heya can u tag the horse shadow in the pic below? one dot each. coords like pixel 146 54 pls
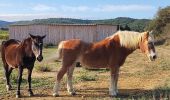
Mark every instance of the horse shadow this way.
pixel 126 93
pixel 104 93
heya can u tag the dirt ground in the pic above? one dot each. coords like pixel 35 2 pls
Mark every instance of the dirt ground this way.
pixel 137 75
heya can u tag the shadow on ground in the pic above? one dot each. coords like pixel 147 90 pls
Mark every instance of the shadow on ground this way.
pixel 94 93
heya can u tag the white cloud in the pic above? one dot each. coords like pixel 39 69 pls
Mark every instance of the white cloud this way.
pixel 103 8
pixel 42 7
pixel 124 8
pixel 18 17
pixel 74 8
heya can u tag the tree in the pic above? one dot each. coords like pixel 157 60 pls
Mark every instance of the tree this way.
pixel 160 21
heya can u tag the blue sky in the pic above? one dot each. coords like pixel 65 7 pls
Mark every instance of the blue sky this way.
pixel 14 10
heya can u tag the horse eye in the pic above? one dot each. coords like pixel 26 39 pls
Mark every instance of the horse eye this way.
pixel 36 44
pixel 40 44
pixel 149 43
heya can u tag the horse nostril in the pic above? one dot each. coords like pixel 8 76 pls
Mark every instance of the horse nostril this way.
pixel 39 58
pixel 154 57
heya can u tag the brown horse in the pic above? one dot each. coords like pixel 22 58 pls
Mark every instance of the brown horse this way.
pixel 16 54
pixel 108 53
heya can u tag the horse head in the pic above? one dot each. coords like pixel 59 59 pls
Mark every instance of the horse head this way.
pixel 147 45
pixel 37 46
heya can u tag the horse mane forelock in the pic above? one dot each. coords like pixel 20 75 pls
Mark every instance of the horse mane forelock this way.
pixel 129 39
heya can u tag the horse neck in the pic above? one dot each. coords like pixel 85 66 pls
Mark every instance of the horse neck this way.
pixel 115 40
pixel 26 47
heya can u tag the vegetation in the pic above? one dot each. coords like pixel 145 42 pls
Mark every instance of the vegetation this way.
pixel 43 68
pixel 125 22
pixel 139 79
pixel 85 76
pixel 161 23
pixel 4 35
pixel 49 45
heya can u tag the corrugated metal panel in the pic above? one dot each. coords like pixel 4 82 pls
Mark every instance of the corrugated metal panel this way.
pixel 56 33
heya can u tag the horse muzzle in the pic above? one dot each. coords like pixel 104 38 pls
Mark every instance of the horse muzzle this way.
pixel 40 58
pixel 152 58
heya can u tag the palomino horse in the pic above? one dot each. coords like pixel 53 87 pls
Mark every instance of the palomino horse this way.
pixel 108 53
pixel 16 54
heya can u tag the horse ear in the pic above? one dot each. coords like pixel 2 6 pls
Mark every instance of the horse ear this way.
pixel 147 34
pixel 151 32
pixel 43 36
pixel 32 36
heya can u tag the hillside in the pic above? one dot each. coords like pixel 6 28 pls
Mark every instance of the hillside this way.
pixel 5 24
pixel 133 24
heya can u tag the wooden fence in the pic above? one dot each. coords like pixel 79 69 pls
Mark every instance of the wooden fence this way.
pixel 58 32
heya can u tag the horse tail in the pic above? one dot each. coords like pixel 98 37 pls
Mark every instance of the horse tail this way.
pixel 60 50
pixel 2 49
pixel 2 46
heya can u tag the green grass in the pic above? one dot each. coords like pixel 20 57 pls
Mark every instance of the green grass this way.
pixel 43 68
pixel 86 75
pixel 82 75
pixel 4 34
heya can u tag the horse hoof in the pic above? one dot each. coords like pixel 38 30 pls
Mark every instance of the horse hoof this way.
pixel 55 95
pixel 113 95
pixel 73 93
pixel 8 87
pixel 18 96
pixel 31 94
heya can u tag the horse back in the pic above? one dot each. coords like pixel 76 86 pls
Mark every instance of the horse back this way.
pixel 9 51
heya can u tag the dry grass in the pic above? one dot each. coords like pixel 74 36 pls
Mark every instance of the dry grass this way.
pixel 139 78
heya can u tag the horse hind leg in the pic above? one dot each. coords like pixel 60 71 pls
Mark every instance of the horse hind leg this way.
pixel 60 75
pixel 8 77
pixel 69 80
pixel 7 74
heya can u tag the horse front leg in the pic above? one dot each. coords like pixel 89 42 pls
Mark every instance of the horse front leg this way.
pixel 19 81
pixel 113 81
pixel 29 82
pixel 69 80
pixel 60 75
pixel 116 81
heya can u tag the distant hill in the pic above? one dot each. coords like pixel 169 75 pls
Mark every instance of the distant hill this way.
pixel 132 24
pixel 125 22
pixel 55 21
pixel 5 24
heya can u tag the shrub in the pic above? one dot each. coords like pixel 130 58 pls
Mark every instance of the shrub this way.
pixel 43 68
pixel 85 76
pixel 49 45
pixel 4 35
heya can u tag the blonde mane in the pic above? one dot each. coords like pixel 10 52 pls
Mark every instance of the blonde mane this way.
pixel 129 39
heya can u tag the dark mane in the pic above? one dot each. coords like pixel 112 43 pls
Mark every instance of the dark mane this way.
pixel 26 41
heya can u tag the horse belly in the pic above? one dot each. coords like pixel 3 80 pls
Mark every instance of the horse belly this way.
pixel 11 57
pixel 94 63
